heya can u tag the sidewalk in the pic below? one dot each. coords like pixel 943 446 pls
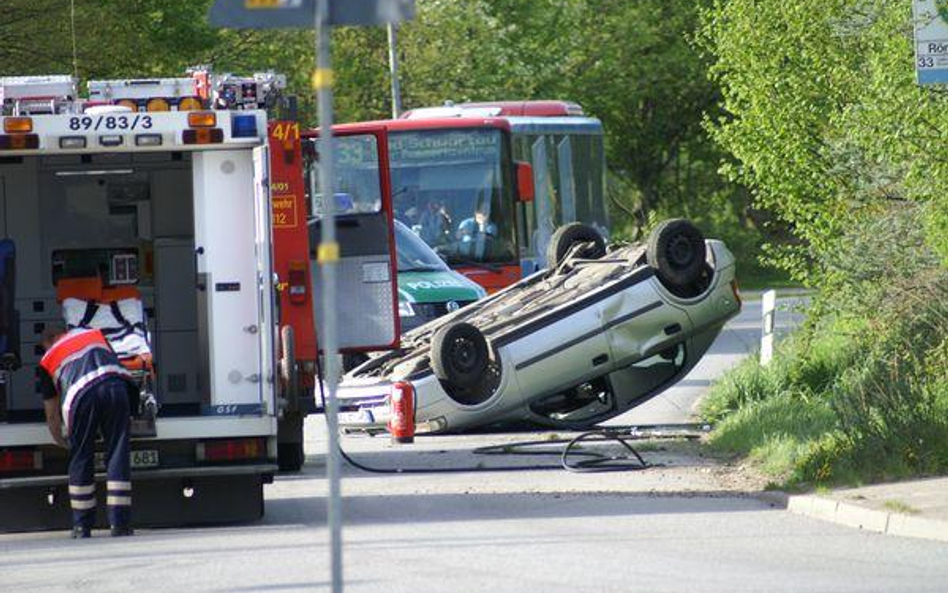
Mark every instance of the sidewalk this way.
pixel 917 508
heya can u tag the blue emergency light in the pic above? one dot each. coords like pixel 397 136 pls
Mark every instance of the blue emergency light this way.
pixel 243 126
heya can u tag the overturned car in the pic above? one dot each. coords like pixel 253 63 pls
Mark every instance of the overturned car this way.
pixel 598 333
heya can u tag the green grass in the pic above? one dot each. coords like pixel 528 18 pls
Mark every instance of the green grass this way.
pixel 852 399
pixel 897 506
pixel 775 433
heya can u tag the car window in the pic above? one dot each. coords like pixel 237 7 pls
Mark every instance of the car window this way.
pixel 414 255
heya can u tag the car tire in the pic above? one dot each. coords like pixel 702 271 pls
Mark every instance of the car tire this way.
pixel 677 252
pixel 568 235
pixel 459 355
pixel 287 364
pixel 290 457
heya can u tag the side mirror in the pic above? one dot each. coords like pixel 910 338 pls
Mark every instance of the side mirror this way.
pixel 525 189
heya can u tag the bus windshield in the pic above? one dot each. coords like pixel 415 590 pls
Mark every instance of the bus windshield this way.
pixel 451 187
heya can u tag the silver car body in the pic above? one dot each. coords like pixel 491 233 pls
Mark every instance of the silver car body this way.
pixel 569 348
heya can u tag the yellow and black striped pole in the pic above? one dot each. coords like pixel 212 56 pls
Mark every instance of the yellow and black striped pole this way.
pixel 328 258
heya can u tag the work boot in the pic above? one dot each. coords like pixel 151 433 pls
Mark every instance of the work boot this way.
pixel 80 532
pixel 122 531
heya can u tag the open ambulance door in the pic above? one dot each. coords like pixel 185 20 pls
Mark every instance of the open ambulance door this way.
pixel 233 266
pixel 367 281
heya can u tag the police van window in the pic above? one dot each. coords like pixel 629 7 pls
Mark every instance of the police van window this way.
pixel 357 185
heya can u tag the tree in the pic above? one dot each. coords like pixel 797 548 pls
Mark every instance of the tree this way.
pixel 825 119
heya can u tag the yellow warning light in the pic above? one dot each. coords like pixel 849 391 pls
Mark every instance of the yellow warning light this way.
pixel 157 105
pixel 190 104
pixel 18 124
pixel 202 119
pixel 128 103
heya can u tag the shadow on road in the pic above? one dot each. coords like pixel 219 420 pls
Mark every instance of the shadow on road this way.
pixel 442 508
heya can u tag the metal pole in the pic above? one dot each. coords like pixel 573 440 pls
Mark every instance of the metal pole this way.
pixel 328 255
pixel 393 70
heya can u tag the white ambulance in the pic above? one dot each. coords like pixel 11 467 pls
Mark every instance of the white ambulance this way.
pixel 145 212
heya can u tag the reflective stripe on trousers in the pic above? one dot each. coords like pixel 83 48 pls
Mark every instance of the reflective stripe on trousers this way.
pixel 103 407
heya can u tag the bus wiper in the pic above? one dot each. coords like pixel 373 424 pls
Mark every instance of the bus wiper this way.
pixel 422 269
pixel 453 260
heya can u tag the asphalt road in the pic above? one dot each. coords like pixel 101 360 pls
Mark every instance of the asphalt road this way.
pixel 684 526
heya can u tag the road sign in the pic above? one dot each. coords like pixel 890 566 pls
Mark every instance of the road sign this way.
pixel 300 14
pixel 931 41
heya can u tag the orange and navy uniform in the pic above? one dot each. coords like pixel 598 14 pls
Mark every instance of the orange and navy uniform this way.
pixel 95 389
pixel 75 363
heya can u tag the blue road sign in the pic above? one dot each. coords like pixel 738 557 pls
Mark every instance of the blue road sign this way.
pixel 300 14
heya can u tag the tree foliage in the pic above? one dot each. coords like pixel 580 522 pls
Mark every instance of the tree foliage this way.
pixel 632 64
pixel 825 119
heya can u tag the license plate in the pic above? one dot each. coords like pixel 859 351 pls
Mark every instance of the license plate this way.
pixel 359 417
pixel 140 459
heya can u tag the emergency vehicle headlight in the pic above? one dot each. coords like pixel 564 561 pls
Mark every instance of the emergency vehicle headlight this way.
pixel 72 142
pixel 157 105
pixel 243 126
pixel 202 119
pixel 203 136
pixel 19 142
pixel 148 139
pixel 110 140
pixel 128 103
pixel 190 104
pixel 18 124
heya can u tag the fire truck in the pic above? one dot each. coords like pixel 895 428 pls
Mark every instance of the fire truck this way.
pixel 168 213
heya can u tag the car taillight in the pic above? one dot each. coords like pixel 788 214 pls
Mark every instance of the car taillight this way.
pixel 737 292
pixel 231 450
pixel 18 460
pixel 203 136
pixel 19 141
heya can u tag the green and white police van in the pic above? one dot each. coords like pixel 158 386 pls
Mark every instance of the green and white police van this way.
pixel 427 287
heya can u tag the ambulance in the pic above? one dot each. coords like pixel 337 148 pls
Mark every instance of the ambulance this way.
pixel 145 210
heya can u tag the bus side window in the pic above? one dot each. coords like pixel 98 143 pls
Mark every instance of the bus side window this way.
pixel 543 202
pixel 567 183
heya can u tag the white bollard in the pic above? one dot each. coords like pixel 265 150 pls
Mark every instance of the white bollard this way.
pixel 768 310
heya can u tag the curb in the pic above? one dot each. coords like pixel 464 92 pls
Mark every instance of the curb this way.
pixel 859 517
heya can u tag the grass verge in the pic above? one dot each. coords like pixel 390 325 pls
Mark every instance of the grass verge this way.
pixel 850 400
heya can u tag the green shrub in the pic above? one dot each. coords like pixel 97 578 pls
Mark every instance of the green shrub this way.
pixel 850 398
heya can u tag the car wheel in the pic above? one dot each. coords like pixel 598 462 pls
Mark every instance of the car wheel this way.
pixel 459 354
pixel 288 361
pixel 290 456
pixel 676 250
pixel 568 235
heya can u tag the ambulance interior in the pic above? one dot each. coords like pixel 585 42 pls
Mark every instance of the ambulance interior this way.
pixel 103 240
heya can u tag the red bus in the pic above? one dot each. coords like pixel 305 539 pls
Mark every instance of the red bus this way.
pixel 464 178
